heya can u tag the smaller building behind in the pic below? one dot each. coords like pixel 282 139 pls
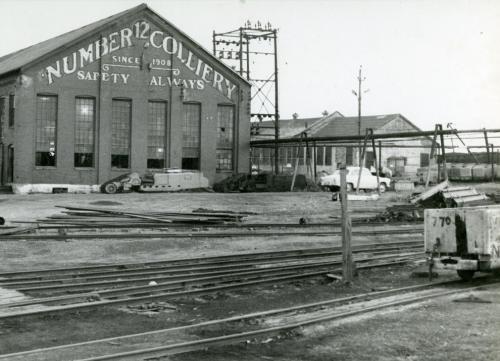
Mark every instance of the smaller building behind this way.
pixel 403 156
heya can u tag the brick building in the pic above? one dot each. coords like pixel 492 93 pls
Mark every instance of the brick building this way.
pixel 127 93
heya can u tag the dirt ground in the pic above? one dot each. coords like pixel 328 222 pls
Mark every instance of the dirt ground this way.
pixel 431 331
pixel 436 330
pixel 270 207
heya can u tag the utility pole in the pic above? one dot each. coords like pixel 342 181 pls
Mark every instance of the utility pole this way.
pixel 347 266
pixel 358 95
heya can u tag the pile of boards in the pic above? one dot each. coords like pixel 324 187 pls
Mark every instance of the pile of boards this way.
pixel 444 195
pixel 110 217
pixel 113 218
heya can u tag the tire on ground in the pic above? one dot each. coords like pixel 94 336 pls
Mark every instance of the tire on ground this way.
pixel 110 188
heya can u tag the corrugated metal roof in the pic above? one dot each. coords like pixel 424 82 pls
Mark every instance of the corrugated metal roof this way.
pixel 18 59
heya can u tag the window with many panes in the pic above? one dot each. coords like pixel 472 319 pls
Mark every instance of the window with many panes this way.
pixel 319 155
pixel 84 132
pixel 2 110
pixel 157 120
pixel 349 155
pixel 225 137
pixel 424 159
pixel 120 129
pixel 191 127
pixel 46 130
pixel 12 109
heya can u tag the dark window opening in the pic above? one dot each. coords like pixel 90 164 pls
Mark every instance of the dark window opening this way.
pixel 84 160
pixel 190 163
pixel 2 110
pixel 319 155
pixel 349 155
pixel 84 132
pixel 46 130
pixel 424 159
pixel 45 159
pixel 328 155
pixel 120 128
pixel 154 163
pixel 119 161
pixel 369 159
pixel 225 137
pixel 12 109
pixel 191 128
pixel 157 120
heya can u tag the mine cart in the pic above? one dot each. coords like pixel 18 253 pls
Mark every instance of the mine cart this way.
pixel 463 239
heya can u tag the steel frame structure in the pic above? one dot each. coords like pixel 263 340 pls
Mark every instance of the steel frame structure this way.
pixel 234 47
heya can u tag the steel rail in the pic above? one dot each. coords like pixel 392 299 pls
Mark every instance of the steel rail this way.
pixel 231 338
pixel 141 277
pixel 394 260
pixel 192 280
pixel 182 263
pixel 159 235
pixel 95 225
pixel 118 277
pixel 128 339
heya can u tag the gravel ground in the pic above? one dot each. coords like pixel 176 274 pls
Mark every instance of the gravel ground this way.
pixel 433 331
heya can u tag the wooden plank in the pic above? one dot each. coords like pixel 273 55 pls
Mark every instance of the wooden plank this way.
pixel 429 193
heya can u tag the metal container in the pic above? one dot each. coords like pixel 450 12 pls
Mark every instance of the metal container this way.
pixel 465 173
pixel 481 172
pixel 404 186
pixel 454 173
pixel 464 239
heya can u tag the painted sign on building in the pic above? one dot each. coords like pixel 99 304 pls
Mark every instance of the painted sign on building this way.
pixel 159 54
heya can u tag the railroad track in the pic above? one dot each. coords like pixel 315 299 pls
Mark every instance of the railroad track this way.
pixel 244 327
pixel 168 234
pixel 84 225
pixel 197 264
pixel 70 289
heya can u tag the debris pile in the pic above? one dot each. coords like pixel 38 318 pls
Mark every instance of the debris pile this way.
pixel 101 217
pixel 401 213
pixel 264 182
pixel 444 195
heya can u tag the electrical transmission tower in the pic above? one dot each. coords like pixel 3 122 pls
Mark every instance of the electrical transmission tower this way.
pixel 251 51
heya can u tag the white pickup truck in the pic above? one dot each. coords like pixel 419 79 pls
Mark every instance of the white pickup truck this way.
pixel 368 180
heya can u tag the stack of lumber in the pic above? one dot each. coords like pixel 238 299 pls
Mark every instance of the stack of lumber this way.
pixel 445 195
pixel 101 217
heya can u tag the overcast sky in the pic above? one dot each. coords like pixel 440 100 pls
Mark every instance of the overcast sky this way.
pixel 432 61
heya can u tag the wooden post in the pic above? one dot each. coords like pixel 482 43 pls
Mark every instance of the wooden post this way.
pixel 380 155
pixel 490 155
pixel 492 164
pixel 443 153
pixel 362 160
pixel 375 163
pixel 346 229
pixel 315 160
pixel 431 156
pixel 297 154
